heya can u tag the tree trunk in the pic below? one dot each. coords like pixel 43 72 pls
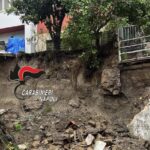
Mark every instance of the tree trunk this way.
pixel 57 42
pixel 97 41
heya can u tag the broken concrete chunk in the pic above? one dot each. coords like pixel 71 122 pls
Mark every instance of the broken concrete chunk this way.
pixel 89 139
pixel 99 145
pixel 140 125
pixel 22 147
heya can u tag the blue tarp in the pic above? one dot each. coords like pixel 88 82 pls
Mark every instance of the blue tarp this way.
pixel 15 45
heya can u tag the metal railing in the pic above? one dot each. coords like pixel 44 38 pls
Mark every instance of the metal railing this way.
pixel 135 48
pixel 129 52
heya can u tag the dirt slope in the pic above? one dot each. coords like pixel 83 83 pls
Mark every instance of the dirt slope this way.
pixel 66 123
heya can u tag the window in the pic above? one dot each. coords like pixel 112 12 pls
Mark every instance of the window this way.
pixel 4 4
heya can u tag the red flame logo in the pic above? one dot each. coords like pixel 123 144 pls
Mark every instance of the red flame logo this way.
pixel 28 69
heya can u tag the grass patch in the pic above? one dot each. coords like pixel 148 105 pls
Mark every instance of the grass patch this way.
pixel 18 127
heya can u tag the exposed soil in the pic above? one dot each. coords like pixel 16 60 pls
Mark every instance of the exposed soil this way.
pixel 64 125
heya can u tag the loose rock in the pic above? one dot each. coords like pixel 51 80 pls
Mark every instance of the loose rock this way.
pixel 89 148
pixel 22 146
pixel 37 138
pixel 45 142
pixel 36 143
pixel 75 102
pixel 92 123
pixel 110 81
pixel 140 125
pixel 52 147
pixel 2 111
pixel 42 127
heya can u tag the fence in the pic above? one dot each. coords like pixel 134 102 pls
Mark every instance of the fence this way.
pixel 104 39
pixel 133 44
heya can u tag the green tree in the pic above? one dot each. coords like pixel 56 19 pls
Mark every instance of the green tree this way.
pixel 90 18
pixel 51 12
pixel 95 16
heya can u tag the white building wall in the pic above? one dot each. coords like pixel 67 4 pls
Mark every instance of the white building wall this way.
pixel 41 41
pixel 9 20
pixel 30 38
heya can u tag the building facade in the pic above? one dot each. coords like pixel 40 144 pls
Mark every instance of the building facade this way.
pixel 35 35
pixel 11 25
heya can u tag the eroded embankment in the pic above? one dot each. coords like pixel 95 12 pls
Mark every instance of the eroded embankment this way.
pixel 66 123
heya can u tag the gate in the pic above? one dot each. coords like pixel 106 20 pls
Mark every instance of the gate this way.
pixel 133 44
